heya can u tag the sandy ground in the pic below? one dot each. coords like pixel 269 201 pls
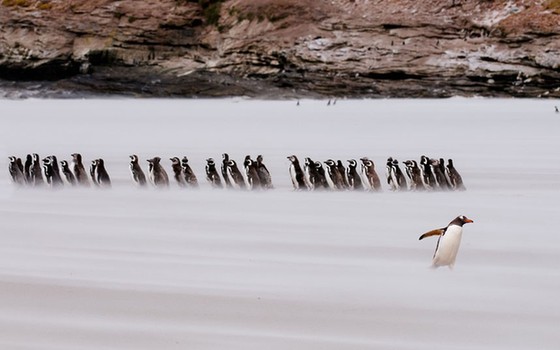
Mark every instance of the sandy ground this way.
pixel 212 269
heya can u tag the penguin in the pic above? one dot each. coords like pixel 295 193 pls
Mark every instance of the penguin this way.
pixel 447 181
pixel 414 174
pixel 93 172
pixel 264 174
pixel 138 175
pixel 252 174
pixel 79 170
pixel 321 183
pixel 342 172
pixel 556 109
pixel 101 175
pixel 370 175
pixel 36 171
pixel 427 174
pixel 27 168
pixel 395 176
pixel 235 176
pixel 448 242
pixel 212 174
pixel 389 172
pixel 178 171
pixel 188 173
pixel 296 174
pixel 15 171
pixel 67 173
pixel 400 180
pixel 52 172
pixel 454 177
pixel 310 174
pixel 334 175
pixel 225 160
pixel 438 174
pixel 157 174
pixel 354 180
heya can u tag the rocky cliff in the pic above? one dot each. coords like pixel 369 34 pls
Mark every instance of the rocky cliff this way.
pixel 281 48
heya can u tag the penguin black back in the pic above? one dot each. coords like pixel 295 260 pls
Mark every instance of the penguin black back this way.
pixel 177 171
pixel 190 177
pixel 136 171
pixel 212 174
pixel 264 174
pixel 354 180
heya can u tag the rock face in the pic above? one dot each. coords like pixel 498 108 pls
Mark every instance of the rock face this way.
pixel 281 48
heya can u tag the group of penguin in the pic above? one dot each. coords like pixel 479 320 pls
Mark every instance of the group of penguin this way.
pixel 257 175
pixel 428 175
pixel 36 173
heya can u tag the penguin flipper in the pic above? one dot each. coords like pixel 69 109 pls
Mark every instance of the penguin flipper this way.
pixel 436 232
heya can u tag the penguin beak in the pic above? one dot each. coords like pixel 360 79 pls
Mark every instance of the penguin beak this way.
pixel 468 221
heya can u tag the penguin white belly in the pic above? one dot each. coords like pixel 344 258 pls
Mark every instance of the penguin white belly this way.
pixel 293 176
pixel 448 247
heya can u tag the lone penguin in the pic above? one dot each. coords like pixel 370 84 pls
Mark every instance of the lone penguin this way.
pixel 264 174
pixel 178 171
pixel 157 175
pixel 448 242
pixel 138 175
pixel 100 173
pixel 252 173
pixel 296 174
pixel 15 171
pixel 556 109
pixel 79 169
pixel 354 180
pixel 65 168
pixel 188 173
pixel 370 175
pixel 454 177
pixel 235 176
pixel 212 174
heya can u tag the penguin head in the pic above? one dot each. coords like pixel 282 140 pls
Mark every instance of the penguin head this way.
pixel 259 158
pixel 35 157
pixel 175 160
pixel 461 220
pixel 185 160
pixel 225 157
pixel 154 160
pixel 330 162
pixel 64 164
pixel 77 157
pixel 12 159
pixel 352 163
pixel 133 158
pixel 293 158
pixel 232 163
pixel 450 163
pixel 210 161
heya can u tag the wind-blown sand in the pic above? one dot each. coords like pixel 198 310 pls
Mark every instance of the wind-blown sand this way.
pixel 127 268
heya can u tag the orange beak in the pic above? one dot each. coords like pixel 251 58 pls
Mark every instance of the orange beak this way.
pixel 468 221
